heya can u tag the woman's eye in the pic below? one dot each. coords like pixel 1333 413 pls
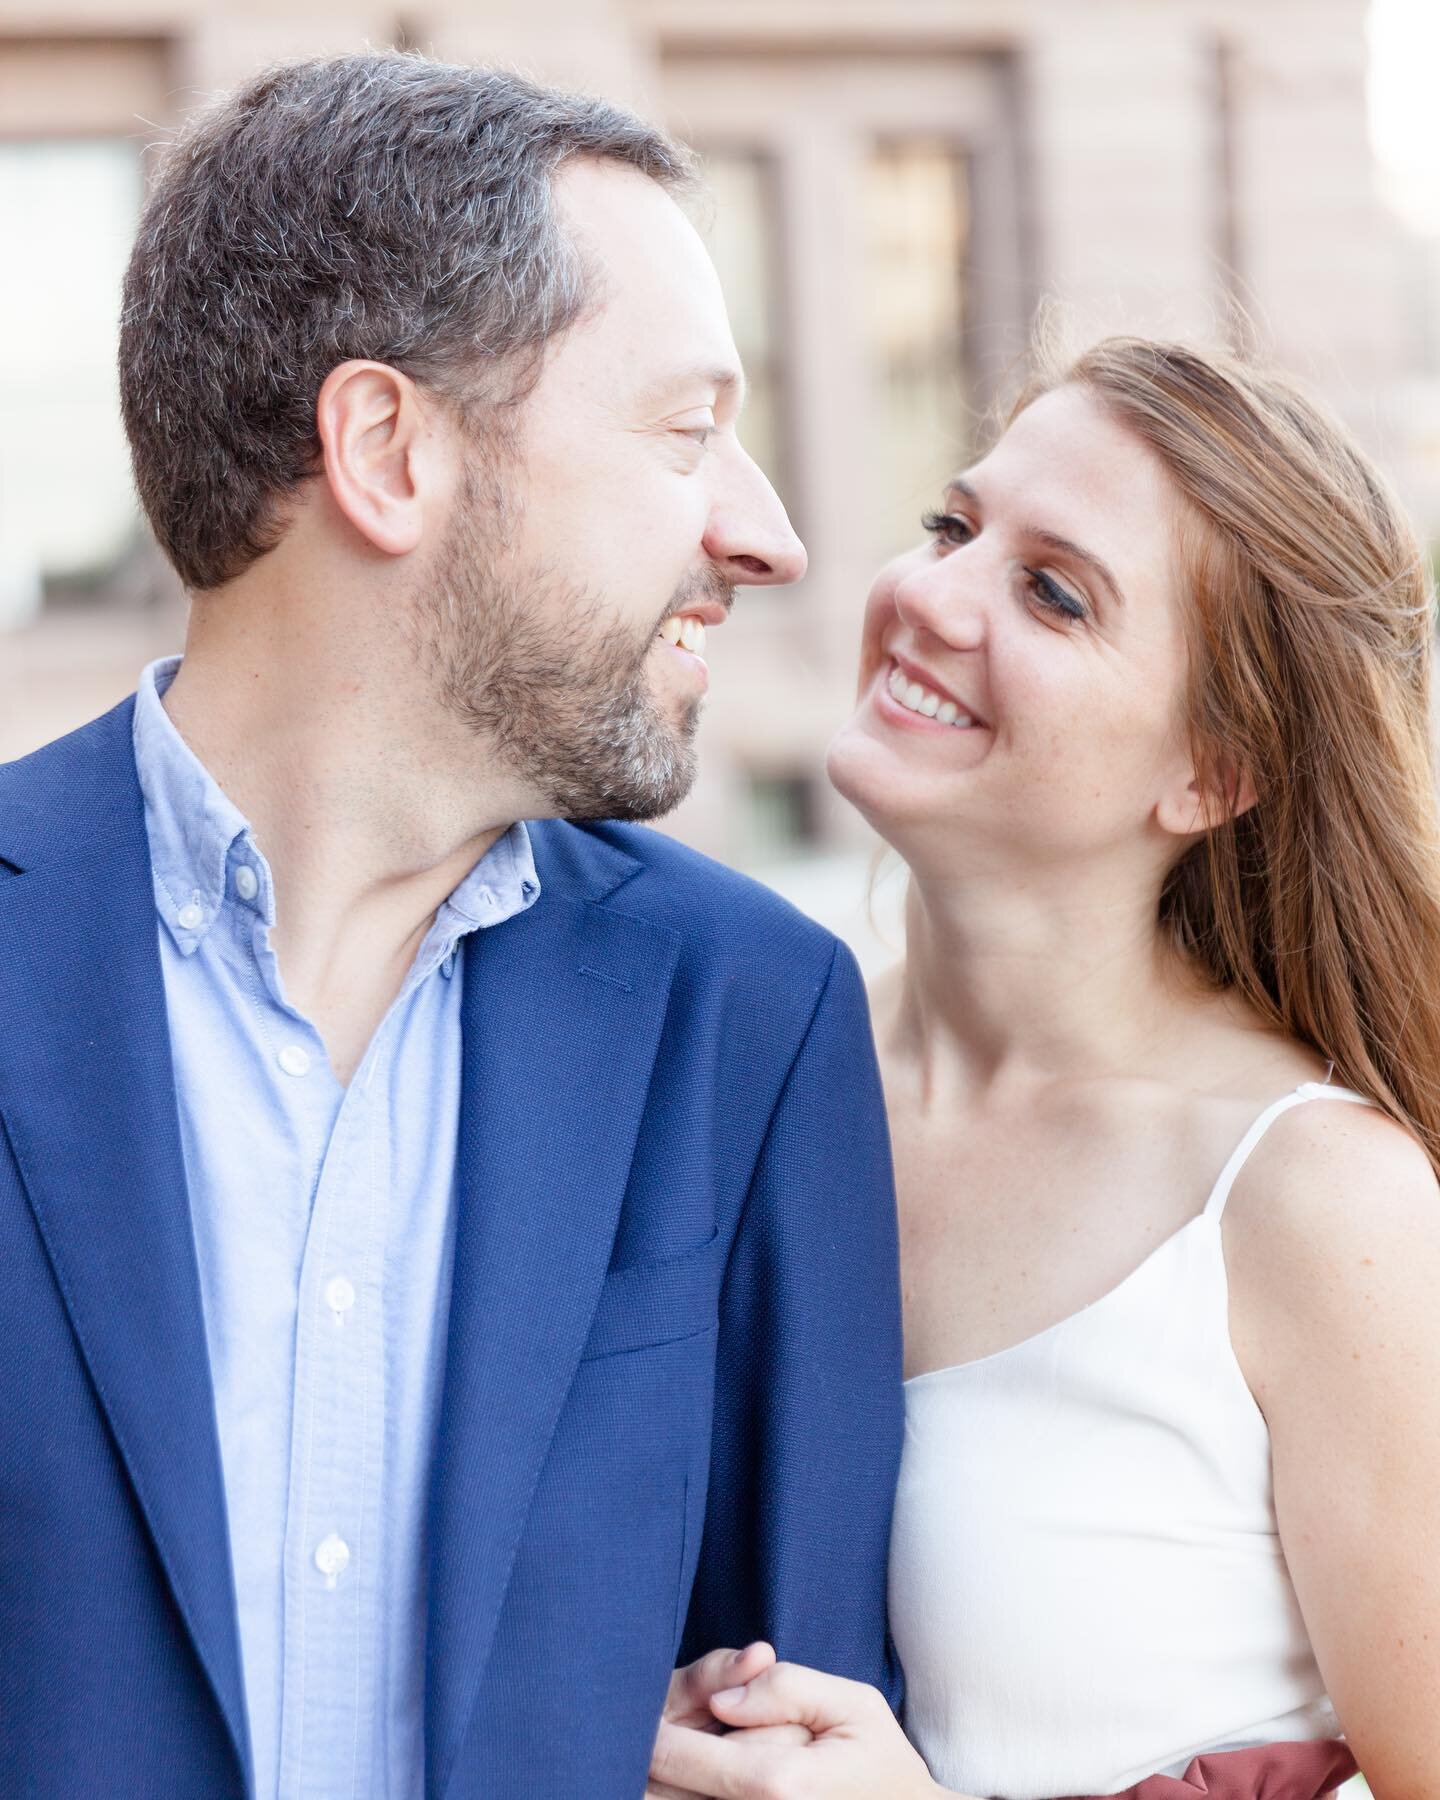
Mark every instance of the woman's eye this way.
pixel 947 528
pixel 952 531
pixel 1056 599
pixel 698 434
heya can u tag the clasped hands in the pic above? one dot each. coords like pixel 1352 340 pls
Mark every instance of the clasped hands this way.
pixel 738 1725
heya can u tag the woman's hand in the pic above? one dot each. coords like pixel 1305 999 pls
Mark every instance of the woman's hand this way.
pixel 797 1735
pixel 687 1708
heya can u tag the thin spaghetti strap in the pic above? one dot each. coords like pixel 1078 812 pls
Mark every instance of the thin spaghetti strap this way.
pixel 1308 1090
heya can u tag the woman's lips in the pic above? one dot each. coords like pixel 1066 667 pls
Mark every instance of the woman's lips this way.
pixel 918 702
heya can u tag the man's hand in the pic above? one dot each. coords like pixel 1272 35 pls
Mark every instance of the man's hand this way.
pixel 687 1707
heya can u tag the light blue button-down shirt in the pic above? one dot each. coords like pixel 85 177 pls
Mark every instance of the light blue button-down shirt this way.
pixel 324 1224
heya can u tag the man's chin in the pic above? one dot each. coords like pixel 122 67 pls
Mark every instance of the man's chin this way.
pixel 643 795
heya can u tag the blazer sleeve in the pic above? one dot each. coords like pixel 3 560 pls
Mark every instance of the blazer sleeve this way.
pixel 809 1406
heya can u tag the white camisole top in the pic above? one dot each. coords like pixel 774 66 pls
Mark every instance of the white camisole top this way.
pixel 1086 1581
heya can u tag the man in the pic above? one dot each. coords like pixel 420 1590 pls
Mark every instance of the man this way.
pixel 447 1264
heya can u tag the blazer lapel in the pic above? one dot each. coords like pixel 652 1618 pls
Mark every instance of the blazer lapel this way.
pixel 88 1104
pixel 563 1008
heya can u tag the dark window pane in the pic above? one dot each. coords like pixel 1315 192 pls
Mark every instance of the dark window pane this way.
pixel 916 220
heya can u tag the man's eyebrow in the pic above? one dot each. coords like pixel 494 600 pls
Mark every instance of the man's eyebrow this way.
pixel 1053 541
pixel 724 378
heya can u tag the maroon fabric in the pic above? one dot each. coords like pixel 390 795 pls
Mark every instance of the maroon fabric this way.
pixel 1273 1772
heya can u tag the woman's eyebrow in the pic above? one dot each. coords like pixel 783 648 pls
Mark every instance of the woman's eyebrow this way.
pixel 1068 547
pixel 1052 540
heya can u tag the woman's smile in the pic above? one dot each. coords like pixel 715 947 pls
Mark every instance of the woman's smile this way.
pixel 919 693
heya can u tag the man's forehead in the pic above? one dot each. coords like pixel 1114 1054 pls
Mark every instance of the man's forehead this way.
pixel 661 312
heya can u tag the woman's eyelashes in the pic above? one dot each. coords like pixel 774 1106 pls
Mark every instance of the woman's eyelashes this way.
pixel 1050 593
pixel 949 528
pixel 953 531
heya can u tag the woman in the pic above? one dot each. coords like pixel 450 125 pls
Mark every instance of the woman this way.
pixel 1147 717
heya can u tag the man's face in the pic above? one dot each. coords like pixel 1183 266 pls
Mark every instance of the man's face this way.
pixel 564 614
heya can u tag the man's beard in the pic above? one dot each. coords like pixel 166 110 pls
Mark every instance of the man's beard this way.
pixel 533 668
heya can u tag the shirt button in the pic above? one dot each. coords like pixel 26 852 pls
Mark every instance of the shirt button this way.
pixel 332 1557
pixel 339 1294
pixel 191 916
pixel 247 882
pixel 294 1059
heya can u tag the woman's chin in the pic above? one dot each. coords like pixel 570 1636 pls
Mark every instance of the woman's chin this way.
pixel 878 784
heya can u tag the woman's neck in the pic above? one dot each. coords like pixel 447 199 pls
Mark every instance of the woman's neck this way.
pixel 1010 981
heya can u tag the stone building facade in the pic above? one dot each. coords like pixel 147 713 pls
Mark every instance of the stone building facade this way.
pixel 898 184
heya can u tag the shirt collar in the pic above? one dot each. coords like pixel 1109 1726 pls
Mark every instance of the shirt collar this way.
pixel 502 884
pixel 190 823
pixel 200 841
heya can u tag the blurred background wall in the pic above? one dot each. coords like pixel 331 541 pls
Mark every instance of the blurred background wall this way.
pixel 896 184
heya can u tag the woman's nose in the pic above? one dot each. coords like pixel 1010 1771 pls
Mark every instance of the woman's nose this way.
pixel 944 600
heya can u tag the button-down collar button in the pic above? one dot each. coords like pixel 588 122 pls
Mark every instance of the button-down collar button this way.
pixel 294 1059
pixel 339 1294
pixel 191 916
pixel 332 1558
pixel 247 882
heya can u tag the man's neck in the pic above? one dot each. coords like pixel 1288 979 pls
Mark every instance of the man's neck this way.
pixel 368 808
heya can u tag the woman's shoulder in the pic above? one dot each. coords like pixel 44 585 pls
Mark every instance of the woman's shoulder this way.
pixel 1333 1169
pixel 1332 1243
pixel 1321 1150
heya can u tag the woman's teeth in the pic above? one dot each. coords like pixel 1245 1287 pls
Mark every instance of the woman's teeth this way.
pixel 917 699
pixel 685 630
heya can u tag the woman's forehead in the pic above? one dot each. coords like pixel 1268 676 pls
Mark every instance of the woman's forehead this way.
pixel 1066 465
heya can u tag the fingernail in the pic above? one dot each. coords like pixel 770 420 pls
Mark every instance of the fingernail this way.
pixel 730 1696
pixel 738 1656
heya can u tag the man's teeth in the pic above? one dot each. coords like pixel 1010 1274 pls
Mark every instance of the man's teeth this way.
pixel 917 699
pixel 685 630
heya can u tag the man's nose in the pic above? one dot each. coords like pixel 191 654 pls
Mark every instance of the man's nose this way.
pixel 749 535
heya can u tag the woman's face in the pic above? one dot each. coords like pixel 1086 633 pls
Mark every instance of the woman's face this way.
pixel 1039 632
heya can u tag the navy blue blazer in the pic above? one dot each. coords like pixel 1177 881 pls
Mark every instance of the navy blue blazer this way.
pixel 672 1412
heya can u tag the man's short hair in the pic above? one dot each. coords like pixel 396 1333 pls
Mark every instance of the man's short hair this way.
pixel 379 206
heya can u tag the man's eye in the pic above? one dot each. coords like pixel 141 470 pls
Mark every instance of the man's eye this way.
pixel 698 434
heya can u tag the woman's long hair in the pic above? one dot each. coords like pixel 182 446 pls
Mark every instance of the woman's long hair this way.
pixel 1311 617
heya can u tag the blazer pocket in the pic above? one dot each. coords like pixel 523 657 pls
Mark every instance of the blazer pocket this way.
pixel 657 1302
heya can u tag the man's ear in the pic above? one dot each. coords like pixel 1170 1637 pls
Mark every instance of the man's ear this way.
pixel 1197 806
pixel 368 417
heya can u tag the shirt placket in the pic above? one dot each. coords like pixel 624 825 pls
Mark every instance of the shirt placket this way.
pixel 331 1536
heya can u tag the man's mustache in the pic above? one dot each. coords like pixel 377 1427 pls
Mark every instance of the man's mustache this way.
pixel 705 585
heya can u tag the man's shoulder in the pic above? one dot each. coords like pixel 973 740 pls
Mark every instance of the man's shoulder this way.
pixel 74 787
pixel 718 913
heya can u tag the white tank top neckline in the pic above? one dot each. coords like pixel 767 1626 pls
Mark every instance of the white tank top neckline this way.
pixel 1212 1210
pixel 1086 1580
